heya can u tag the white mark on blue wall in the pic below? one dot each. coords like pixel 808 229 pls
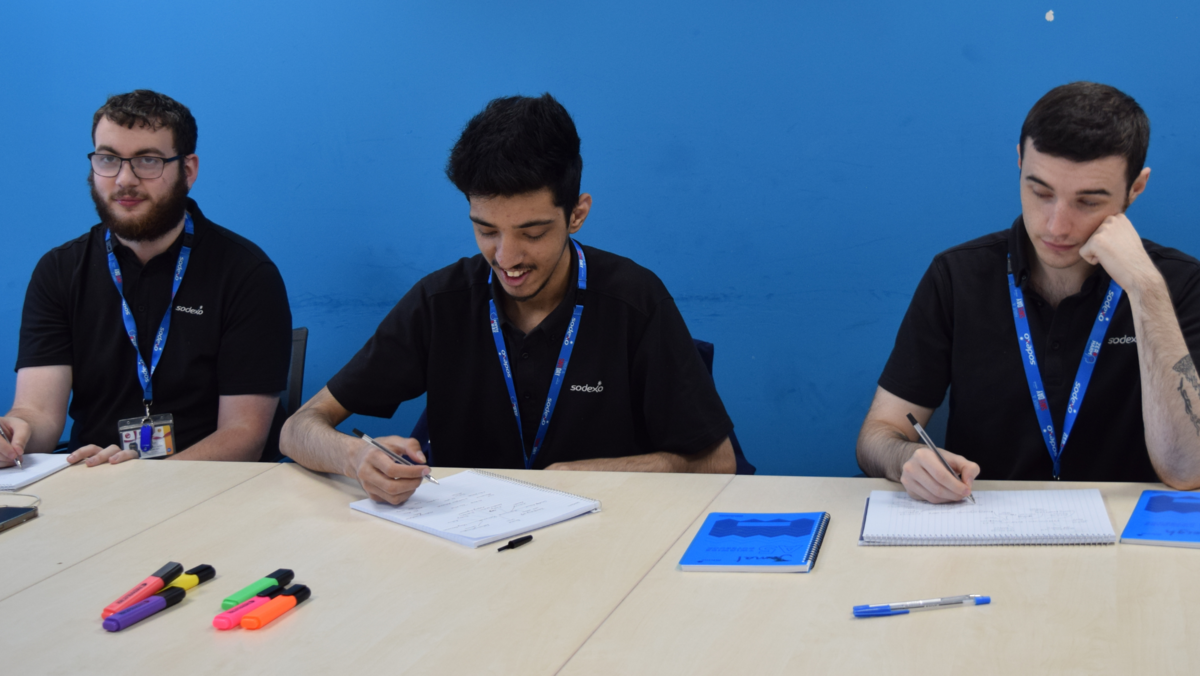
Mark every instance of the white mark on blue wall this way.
pixel 1050 15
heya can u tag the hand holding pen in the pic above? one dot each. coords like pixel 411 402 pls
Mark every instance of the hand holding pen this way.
pixel 391 477
pixel 9 452
pixel 934 475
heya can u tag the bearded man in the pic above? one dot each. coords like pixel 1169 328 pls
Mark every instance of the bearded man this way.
pixel 167 334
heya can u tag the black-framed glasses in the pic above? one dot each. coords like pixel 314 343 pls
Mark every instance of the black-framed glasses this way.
pixel 143 166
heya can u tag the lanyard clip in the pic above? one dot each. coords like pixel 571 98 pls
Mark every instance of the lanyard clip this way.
pixel 146 434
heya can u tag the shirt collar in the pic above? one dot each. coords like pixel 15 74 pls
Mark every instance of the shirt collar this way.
pixel 560 314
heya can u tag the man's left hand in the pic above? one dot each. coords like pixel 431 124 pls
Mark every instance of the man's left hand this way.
pixel 1117 247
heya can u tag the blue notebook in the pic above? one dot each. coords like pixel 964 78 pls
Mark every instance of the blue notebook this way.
pixel 757 543
pixel 1167 518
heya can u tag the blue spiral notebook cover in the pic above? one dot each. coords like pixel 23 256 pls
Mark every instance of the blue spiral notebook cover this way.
pixel 757 543
pixel 1167 518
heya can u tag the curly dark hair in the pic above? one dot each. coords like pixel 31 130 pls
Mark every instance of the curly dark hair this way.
pixel 154 111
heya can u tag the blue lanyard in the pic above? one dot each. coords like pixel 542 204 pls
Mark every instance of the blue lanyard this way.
pixel 1082 377
pixel 160 340
pixel 560 371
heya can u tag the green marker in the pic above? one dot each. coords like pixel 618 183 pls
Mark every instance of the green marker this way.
pixel 282 577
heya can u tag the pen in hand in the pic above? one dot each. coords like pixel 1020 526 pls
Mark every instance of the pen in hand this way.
pixel 398 458
pixel 932 446
pixel 8 439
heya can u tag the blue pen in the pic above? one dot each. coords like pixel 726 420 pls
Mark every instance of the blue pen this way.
pixel 889 609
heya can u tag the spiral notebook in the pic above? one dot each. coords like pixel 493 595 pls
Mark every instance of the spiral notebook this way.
pixel 756 543
pixel 474 508
pixel 38 466
pixel 1053 517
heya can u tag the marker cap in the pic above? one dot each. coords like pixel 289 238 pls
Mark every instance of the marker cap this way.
pixel 169 572
pixel 299 591
pixel 283 576
pixel 172 595
pixel 271 592
pixel 203 571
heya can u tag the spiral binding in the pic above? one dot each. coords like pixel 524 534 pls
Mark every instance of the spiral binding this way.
pixel 962 540
pixel 814 547
pixel 539 487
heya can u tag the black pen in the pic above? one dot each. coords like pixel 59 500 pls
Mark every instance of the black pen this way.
pixel 934 448
pixel 398 458
pixel 513 544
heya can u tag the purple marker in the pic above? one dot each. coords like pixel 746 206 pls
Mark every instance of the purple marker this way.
pixel 143 609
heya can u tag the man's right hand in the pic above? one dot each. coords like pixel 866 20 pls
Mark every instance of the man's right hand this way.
pixel 384 479
pixel 93 455
pixel 925 478
pixel 18 431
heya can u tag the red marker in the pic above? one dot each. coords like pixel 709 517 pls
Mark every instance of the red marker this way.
pixel 233 617
pixel 290 598
pixel 145 589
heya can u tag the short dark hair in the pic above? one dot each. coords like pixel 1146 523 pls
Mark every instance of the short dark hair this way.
pixel 517 145
pixel 153 110
pixel 1085 121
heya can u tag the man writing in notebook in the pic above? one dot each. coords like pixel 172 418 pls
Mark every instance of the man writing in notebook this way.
pixel 1065 341
pixel 537 353
pixel 156 312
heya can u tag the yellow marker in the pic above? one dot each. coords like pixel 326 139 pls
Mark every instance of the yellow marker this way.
pixel 193 577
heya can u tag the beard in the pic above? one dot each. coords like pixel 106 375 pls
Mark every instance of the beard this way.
pixel 163 216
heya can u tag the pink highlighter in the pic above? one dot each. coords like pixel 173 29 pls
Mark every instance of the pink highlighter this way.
pixel 233 617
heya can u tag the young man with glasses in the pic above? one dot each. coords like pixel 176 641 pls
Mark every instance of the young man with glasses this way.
pixel 1065 327
pixel 539 353
pixel 168 334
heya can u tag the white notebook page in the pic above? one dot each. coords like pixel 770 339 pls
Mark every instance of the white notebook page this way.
pixel 38 466
pixel 474 508
pixel 997 517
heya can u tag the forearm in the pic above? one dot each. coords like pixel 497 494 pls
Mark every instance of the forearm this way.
pixel 229 444
pixel 310 439
pixel 45 430
pixel 718 459
pixel 1170 385
pixel 882 450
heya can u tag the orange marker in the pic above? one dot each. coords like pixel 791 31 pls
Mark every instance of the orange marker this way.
pixel 264 614
pixel 145 589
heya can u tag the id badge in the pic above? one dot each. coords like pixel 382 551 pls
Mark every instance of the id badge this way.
pixel 163 439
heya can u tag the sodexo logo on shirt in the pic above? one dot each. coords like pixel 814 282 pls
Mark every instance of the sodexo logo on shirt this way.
pixel 1122 340
pixel 597 388
pixel 190 310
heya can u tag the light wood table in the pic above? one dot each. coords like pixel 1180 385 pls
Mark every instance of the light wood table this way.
pixel 1113 609
pixel 86 510
pixel 386 599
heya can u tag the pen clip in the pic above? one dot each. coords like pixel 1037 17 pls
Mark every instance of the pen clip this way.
pixel 877 611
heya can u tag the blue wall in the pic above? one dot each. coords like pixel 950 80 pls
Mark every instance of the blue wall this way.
pixel 787 168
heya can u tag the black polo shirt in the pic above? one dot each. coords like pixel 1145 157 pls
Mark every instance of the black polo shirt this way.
pixel 230 332
pixel 635 383
pixel 959 333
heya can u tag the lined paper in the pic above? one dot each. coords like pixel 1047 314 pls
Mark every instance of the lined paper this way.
pixel 474 508
pixel 38 466
pixel 996 518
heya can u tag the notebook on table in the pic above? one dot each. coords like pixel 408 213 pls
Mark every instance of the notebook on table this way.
pixel 1053 517
pixel 38 466
pixel 1165 518
pixel 757 543
pixel 474 508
